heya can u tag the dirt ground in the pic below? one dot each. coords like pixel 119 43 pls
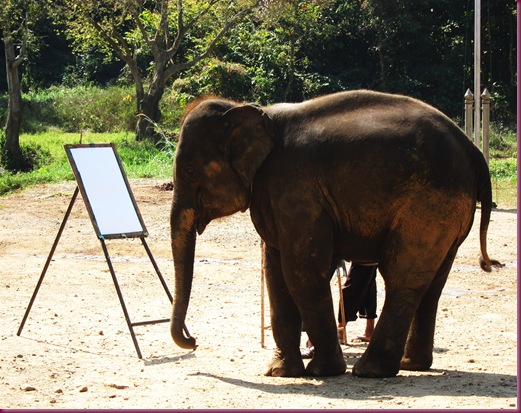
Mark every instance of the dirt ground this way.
pixel 76 351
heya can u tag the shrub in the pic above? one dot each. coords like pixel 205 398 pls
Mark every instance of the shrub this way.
pixel 503 169
pixel 228 80
pixel 77 109
pixel 502 142
pixel 34 156
pixel 95 109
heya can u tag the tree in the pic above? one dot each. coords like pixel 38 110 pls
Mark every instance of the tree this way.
pixel 172 36
pixel 420 49
pixel 294 23
pixel 16 18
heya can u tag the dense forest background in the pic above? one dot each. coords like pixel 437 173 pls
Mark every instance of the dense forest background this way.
pixel 421 48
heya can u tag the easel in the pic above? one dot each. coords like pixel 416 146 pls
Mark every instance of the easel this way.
pixel 103 184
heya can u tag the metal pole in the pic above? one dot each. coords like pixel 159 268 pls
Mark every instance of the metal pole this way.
pixel 120 296
pixel 154 264
pixel 49 258
pixel 477 71
pixel 485 97
pixel 469 100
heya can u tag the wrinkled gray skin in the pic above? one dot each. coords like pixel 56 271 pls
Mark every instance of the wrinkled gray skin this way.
pixel 362 176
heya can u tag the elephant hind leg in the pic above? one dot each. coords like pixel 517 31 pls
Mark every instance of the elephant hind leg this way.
pixel 420 341
pixel 385 350
pixel 409 283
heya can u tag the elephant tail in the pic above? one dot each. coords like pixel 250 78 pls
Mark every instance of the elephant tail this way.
pixel 485 198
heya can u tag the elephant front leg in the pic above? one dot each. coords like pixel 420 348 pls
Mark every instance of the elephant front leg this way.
pixel 311 292
pixel 286 323
pixel 316 307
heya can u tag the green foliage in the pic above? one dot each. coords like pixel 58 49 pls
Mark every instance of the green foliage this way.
pixel 155 40
pixel 95 109
pixel 502 141
pixel 228 80
pixel 82 108
pixel 140 159
pixel 143 159
pixel 33 156
pixel 503 154
pixel 503 169
pixel 420 48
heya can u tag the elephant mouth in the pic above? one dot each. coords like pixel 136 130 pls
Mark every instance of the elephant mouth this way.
pixel 203 219
pixel 201 225
pixel 210 207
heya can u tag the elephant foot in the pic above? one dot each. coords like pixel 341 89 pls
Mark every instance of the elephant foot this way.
pixel 369 367
pixel 330 366
pixel 408 363
pixel 282 367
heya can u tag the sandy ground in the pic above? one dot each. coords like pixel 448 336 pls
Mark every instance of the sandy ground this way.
pixel 76 351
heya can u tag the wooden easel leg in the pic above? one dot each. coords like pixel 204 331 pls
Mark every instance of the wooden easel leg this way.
pixel 342 313
pixel 47 263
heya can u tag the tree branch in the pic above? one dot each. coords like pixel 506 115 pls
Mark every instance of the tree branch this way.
pixel 114 40
pixel 142 29
pixel 24 28
pixel 162 28
pixel 174 68
pixel 181 33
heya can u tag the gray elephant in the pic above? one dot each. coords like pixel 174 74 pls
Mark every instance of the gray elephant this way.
pixel 360 175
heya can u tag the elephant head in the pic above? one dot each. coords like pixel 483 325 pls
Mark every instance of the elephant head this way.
pixel 221 146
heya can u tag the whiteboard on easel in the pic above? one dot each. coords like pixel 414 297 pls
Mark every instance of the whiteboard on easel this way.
pixel 105 190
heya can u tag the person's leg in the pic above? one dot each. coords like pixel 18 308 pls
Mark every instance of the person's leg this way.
pixel 368 309
pixel 355 289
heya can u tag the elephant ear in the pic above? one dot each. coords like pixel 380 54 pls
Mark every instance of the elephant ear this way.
pixel 251 137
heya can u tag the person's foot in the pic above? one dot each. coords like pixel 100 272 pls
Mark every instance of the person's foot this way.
pixel 361 339
pixel 369 328
pixel 366 337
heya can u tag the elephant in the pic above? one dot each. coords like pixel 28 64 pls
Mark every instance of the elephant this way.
pixel 359 175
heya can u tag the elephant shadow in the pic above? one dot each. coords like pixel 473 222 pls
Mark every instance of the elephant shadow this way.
pixel 507 211
pixel 433 382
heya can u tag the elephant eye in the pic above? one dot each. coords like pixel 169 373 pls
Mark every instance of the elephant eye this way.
pixel 189 173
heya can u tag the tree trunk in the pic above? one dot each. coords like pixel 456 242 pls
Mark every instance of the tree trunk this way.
pixel 148 108
pixel 149 114
pixel 12 152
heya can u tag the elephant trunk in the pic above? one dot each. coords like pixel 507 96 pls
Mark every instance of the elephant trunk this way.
pixel 183 237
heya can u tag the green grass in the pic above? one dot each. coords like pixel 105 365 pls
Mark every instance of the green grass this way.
pixel 504 194
pixel 140 159
pixel 503 166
